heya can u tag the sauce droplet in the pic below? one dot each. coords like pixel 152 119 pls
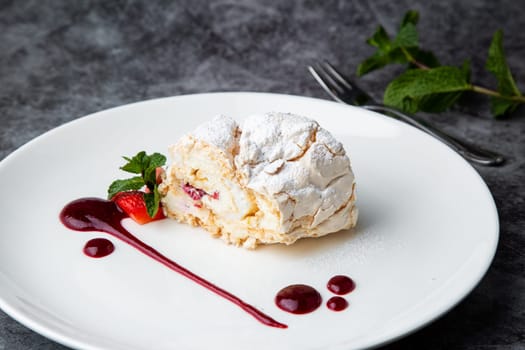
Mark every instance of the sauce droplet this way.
pixel 95 214
pixel 98 247
pixel 298 299
pixel 337 303
pixel 340 285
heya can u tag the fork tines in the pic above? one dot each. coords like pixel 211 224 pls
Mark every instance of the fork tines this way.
pixel 339 87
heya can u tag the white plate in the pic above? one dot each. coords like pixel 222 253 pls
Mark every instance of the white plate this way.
pixel 427 233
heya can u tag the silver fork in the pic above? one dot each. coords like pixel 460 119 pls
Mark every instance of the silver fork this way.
pixel 343 90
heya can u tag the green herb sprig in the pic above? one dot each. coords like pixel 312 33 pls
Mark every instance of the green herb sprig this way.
pixel 428 86
pixel 145 165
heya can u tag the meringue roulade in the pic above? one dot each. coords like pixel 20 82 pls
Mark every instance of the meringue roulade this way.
pixel 276 178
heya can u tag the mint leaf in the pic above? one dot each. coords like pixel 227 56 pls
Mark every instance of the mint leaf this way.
pixel 132 184
pixel 382 56
pixel 134 165
pixel 156 160
pixel 425 57
pixel 497 65
pixel 465 67
pixel 434 89
pixel 141 161
pixel 150 177
pixel 430 87
pixel 387 54
pixel 439 102
pixel 380 60
pixel 145 165
pixel 370 64
pixel 380 39
pixel 402 49
pixel 152 200
pixel 406 37
pixel 500 106
pixel 411 16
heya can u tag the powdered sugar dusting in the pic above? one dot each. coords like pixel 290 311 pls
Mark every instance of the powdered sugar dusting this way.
pixel 221 132
pixel 274 136
pixel 287 177
pixel 282 153
pixel 355 250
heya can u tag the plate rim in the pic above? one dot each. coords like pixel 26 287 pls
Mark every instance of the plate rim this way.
pixel 56 335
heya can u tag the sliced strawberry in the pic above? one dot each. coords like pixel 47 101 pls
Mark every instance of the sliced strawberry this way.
pixel 132 203
pixel 158 174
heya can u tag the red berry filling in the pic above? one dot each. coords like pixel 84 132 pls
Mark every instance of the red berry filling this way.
pixel 196 193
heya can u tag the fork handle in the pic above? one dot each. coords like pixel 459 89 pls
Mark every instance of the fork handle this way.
pixel 470 152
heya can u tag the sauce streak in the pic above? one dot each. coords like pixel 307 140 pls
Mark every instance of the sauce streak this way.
pixel 95 214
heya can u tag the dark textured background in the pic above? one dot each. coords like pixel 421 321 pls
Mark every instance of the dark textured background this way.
pixel 60 60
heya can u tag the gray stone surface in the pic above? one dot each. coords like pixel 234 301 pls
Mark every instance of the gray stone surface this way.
pixel 60 60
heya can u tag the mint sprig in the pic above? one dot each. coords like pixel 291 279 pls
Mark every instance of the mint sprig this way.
pixel 428 86
pixel 146 166
pixel 497 65
pixel 429 90
pixel 404 48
